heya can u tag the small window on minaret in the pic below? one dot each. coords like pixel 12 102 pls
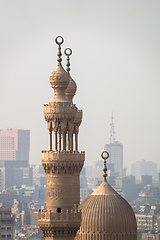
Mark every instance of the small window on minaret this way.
pixel 58 209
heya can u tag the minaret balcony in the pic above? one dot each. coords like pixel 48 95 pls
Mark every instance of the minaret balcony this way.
pixel 56 224
pixel 63 156
pixel 53 217
pixel 62 162
pixel 59 108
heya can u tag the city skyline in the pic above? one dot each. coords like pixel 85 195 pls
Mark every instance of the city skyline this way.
pixel 116 69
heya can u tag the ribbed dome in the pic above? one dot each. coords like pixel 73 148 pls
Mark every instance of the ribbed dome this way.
pixel 71 90
pixel 59 80
pixel 106 215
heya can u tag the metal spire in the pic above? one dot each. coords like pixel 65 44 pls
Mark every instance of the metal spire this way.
pixel 68 53
pixel 112 132
pixel 59 40
pixel 105 156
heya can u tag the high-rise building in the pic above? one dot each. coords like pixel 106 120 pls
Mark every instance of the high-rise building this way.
pixel 14 145
pixel 15 173
pixel 115 149
pixel 14 158
pixel 143 167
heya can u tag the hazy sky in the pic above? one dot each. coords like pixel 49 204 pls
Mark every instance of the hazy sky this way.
pixel 115 63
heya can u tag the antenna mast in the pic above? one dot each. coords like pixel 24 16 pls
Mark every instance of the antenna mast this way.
pixel 112 132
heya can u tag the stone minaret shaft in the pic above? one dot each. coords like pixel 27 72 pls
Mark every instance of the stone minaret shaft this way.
pixel 62 162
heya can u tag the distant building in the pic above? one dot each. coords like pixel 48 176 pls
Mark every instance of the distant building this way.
pixel 147 236
pixel 115 163
pixel 15 173
pixel 143 167
pixel 97 169
pixel 145 222
pixel 146 180
pixel 115 149
pixel 7 197
pixel 130 189
pixel 34 218
pixel 14 158
pixel 25 217
pixel 14 145
pixel 83 185
pixel 150 195
pixel 7 222
pixel 89 171
pixel 112 180
pixel 39 176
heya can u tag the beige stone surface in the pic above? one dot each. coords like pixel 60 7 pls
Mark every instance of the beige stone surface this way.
pixel 106 215
pixel 62 162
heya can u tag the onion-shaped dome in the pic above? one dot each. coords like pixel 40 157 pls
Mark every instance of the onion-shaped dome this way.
pixel 106 215
pixel 59 78
pixel 71 90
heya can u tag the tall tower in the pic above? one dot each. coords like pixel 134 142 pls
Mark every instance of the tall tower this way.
pixel 115 150
pixel 63 163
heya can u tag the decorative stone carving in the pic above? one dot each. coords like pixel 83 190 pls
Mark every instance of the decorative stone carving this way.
pixel 54 224
pixel 58 195
pixel 61 220
pixel 62 168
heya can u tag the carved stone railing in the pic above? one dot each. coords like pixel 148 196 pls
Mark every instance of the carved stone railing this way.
pixel 59 108
pixel 70 156
pixel 51 217
pixel 59 224
pixel 62 162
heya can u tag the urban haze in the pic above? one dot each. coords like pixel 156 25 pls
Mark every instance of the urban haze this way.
pixel 115 63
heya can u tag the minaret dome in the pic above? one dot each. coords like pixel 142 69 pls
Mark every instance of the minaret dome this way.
pixel 59 78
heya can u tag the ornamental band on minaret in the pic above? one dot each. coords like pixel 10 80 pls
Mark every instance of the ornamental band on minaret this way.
pixel 62 162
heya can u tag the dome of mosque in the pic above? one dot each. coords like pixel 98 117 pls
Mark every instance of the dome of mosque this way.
pixel 107 215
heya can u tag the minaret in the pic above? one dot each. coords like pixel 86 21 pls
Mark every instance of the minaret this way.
pixel 63 162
